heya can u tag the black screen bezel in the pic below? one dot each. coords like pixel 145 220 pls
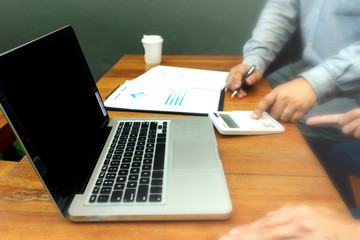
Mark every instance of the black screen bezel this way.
pixel 36 90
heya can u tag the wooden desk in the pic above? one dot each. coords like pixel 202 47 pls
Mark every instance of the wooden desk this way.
pixel 263 173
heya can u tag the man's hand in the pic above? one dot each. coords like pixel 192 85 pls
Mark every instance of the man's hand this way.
pixel 236 74
pixel 299 222
pixel 350 122
pixel 288 102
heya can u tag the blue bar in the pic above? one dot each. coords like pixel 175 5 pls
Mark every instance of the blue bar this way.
pixel 182 99
pixel 167 100
pixel 172 99
pixel 177 99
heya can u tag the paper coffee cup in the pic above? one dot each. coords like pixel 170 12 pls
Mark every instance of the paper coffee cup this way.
pixel 153 48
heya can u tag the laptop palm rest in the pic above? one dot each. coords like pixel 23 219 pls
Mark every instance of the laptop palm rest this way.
pixel 194 154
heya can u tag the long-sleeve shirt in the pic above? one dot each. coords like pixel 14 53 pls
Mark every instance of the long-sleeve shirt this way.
pixel 330 31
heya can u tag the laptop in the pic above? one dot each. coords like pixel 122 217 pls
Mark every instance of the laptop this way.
pixel 97 169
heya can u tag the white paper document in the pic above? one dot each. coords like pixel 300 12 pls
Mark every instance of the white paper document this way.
pixel 171 89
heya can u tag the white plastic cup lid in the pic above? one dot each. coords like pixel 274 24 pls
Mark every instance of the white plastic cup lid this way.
pixel 152 39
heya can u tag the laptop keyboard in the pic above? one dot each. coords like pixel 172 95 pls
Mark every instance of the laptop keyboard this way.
pixel 133 171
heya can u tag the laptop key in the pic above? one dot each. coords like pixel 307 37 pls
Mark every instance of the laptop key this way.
pixel 153 125
pixel 110 176
pixel 120 179
pixel 133 177
pixel 123 172
pixel 101 175
pixel 119 186
pixel 108 182
pixel 158 174
pixel 96 190
pixel 156 182
pixel 103 198
pixel 92 199
pixel 162 135
pixel 145 181
pixel 156 190
pixel 155 198
pixel 105 190
pixel 129 195
pixel 145 174
pixel 116 196
pixel 131 185
pixel 159 157
pixel 113 169
pixel 142 193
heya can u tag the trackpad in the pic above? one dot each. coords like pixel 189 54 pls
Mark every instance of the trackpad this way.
pixel 190 154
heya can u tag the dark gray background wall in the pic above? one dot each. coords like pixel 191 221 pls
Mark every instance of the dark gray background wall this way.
pixel 108 29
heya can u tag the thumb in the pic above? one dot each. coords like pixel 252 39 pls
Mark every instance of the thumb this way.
pixel 254 78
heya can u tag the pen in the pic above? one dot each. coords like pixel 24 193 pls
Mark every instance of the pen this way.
pixel 243 80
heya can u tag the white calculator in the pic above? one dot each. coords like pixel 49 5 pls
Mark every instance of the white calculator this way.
pixel 241 123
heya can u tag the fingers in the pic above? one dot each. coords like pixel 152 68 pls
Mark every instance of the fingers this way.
pixel 264 105
pixel 288 102
pixel 254 78
pixel 233 80
pixel 350 122
pixel 352 129
pixel 298 222
pixel 235 76
pixel 280 224
pixel 241 94
pixel 350 117
pixel 287 112
pixel 323 120
pixel 279 109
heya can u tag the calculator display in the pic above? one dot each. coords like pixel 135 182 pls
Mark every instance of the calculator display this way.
pixel 228 120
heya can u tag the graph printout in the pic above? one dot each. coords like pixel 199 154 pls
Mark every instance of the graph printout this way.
pixel 171 89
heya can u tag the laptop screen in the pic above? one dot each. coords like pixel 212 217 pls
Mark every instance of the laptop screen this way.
pixel 50 97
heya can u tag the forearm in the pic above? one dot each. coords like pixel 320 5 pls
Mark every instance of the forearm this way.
pixel 338 75
pixel 277 22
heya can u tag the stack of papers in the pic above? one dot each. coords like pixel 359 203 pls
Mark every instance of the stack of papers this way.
pixel 171 90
